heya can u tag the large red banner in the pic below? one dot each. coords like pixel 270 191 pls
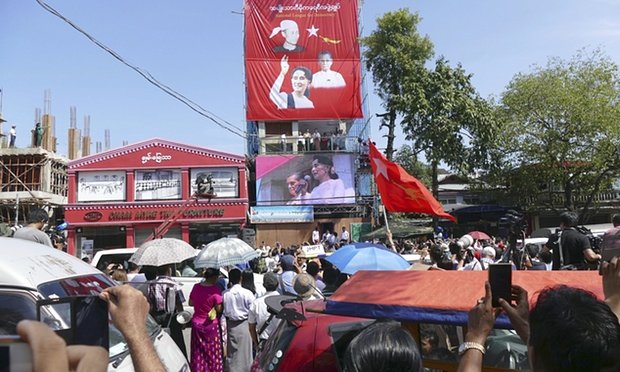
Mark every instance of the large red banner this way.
pixel 302 60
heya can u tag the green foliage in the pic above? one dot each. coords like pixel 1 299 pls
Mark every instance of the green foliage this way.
pixel 560 129
pixel 449 122
pixel 408 159
pixel 394 50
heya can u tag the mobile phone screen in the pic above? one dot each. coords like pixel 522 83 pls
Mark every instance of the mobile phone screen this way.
pixel 500 278
pixel 79 320
pixel 15 355
pixel 610 246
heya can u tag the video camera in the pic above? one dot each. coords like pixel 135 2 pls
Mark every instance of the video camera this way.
pixel 513 221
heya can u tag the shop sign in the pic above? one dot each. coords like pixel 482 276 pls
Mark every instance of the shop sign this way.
pixel 93 216
pixel 158 157
pixel 156 214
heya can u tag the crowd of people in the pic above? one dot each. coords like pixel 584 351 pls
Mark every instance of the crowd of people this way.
pixel 565 329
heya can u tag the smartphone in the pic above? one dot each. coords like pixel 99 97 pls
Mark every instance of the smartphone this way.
pixel 500 278
pixel 610 246
pixel 79 320
pixel 15 355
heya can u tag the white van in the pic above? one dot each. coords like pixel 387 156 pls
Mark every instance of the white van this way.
pixel 31 271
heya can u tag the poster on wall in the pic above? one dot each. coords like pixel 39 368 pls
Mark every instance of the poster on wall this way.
pixel 101 186
pixel 224 181
pixel 302 60
pixel 158 184
pixel 305 179
pixel 282 214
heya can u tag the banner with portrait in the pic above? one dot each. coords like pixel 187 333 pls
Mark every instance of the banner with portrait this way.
pixel 302 60
pixel 305 179
pixel 221 182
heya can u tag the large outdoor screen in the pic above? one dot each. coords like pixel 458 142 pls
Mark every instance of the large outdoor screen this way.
pixel 302 60
pixel 325 178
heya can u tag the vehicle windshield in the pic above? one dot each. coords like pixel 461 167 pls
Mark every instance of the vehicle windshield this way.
pixel 91 285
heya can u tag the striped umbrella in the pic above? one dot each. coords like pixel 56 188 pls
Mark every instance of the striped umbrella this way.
pixel 225 252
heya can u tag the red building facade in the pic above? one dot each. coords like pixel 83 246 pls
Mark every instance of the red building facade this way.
pixel 117 198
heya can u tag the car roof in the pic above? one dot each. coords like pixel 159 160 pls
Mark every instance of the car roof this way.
pixel 28 264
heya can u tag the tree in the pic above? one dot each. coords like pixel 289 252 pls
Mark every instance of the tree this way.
pixel 560 142
pixel 395 50
pixel 447 119
pixel 407 158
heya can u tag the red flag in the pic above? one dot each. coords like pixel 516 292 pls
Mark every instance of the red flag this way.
pixel 401 192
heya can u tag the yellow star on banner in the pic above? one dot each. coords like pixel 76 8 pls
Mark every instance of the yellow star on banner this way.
pixel 413 195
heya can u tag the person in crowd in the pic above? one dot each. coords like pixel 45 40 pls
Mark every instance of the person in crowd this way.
pixel 162 310
pixel 316 139
pixel 237 301
pixel 12 136
pixel 290 32
pixel 330 188
pixel 289 270
pixel 37 221
pixel 313 269
pixel 326 77
pixel 429 341
pixel 344 236
pixel 133 273
pixel 206 343
pixel 487 256
pixel 262 323
pixel 119 275
pixel 247 282
pixel 466 261
pixel 316 236
pixel 305 287
pixel 571 249
pixel 301 77
pixel 439 259
pixel 59 242
pixel 568 329
pixel 531 259
pixel 330 277
pixel 615 220
pixel 383 346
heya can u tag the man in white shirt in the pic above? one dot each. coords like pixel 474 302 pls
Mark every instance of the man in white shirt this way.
pixel 344 236
pixel 259 315
pixel 316 236
pixel 237 301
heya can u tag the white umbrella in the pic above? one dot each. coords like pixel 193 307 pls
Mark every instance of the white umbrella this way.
pixel 225 252
pixel 161 252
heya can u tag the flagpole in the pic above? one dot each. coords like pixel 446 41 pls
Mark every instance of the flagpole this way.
pixel 388 233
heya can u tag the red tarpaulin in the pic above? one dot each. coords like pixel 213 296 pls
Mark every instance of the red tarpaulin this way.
pixel 302 60
pixel 439 296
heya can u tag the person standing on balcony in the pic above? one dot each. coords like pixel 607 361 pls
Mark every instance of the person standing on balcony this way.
pixel 12 136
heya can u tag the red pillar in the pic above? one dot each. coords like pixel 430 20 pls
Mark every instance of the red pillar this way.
pixel 130 188
pixel 185 231
pixel 130 241
pixel 71 249
pixel 185 186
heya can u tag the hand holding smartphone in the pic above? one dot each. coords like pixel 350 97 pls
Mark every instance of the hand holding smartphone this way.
pixel 15 355
pixel 500 278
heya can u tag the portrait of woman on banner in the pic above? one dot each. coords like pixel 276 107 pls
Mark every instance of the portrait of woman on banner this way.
pixel 301 78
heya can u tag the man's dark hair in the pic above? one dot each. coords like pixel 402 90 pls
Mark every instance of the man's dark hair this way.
pixel 436 253
pixel 431 337
pixel 313 268
pixel 571 330
pixel 615 220
pixel 234 276
pixel 569 219
pixel 37 215
pixel 383 346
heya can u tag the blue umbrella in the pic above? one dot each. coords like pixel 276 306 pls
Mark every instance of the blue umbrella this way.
pixel 366 256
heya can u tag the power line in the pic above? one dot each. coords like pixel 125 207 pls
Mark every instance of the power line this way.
pixel 151 79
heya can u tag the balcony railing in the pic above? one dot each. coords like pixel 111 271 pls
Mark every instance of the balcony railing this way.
pixel 300 144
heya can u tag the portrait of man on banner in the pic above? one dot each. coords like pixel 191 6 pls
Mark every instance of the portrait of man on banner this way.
pixel 302 60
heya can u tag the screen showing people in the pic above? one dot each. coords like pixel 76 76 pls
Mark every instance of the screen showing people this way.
pixel 305 180
pixel 302 60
